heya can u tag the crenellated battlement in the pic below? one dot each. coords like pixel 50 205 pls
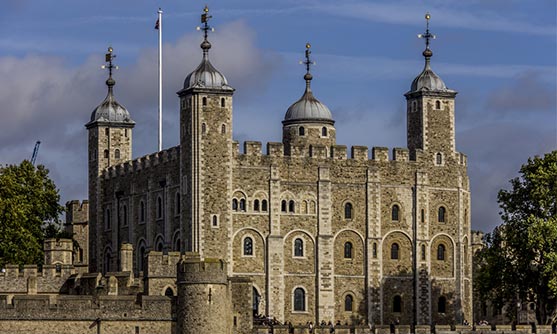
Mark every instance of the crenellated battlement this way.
pixel 143 163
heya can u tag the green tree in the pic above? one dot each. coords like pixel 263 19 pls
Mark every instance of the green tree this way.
pixel 28 210
pixel 519 262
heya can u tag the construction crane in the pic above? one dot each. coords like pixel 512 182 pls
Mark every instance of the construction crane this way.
pixel 35 152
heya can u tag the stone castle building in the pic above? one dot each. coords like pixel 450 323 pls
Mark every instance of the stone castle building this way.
pixel 324 235
pixel 302 232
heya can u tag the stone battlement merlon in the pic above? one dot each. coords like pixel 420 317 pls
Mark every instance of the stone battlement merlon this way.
pixel 141 163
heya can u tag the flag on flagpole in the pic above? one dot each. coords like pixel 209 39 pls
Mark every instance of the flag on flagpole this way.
pixel 157 25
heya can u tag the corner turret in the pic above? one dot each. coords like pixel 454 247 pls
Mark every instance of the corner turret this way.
pixel 430 111
pixel 308 122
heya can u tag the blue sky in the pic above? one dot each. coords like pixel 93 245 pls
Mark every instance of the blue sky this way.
pixel 500 55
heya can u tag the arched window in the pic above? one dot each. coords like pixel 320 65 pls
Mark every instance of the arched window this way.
pixel 348 303
pixel 438 158
pixel 324 132
pixel 107 260
pixel 117 154
pixel 347 250
pixel 125 215
pixel 141 212
pixel 299 299
pixel 395 212
pixel 215 221
pixel 159 246
pixel 437 104
pixel 397 304
pixel 223 129
pixel 203 128
pixel 159 207
pixel 79 254
pixel 107 219
pixel 442 304
pixel 242 204
pixel 441 214
pixel 291 206
pixel 256 205
pixel 301 131
pixel 394 251
pixel 178 245
pixel 168 292
pixel 178 203
pixel 441 252
pixel 283 206
pixel 264 205
pixel 106 154
pixel 234 204
pixel 298 247
pixel 374 250
pixel 348 211
pixel 204 101
pixel 248 246
pixel 222 102
pixel 141 257
pixel 256 300
pixel 423 252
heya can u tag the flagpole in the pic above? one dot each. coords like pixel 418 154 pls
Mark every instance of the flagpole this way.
pixel 160 78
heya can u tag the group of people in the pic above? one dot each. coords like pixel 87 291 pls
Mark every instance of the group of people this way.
pixel 264 320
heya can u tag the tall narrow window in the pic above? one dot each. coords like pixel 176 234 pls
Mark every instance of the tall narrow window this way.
pixel 441 252
pixel 107 260
pixel 283 206
pixel 248 246
pixel 264 205
pixel 395 212
pixel 106 131
pixel 141 211
pixel 141 257
pixel 374 250
pixel 423 252
pixel 441 214
pixel 256 205
pixel 125 215
pixel 223 129
pixel 348 250
pixel 222 102
pixel 242 204
pixel 204 101
pixel 107 219
pixel 126 133
pixel 159 207
pixel 397 304
pixel 106 154
pixel 299 300
pixel 117 154
pixel 178 203
pixel 324 132
pixel 422 216
pixel 348 303
pixel 439 159
pixel 291 206
pixel 394 251
pixel 298 247
pixel 301 131
pixel 203 128
pixel 215 221
pixel 234 204
pixel 437 104
pixel 442 304
pixel 348 211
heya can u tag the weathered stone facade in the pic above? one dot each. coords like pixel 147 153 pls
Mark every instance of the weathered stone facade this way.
pixel 324 235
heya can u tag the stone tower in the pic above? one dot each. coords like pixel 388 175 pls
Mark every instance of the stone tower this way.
pixel 308 123
pixel 203 296
pixel 430 111
pixel 206 155
pixel 110 143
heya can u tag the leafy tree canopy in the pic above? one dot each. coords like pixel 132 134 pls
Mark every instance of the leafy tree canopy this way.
pixel 29 210
pixel 519 262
